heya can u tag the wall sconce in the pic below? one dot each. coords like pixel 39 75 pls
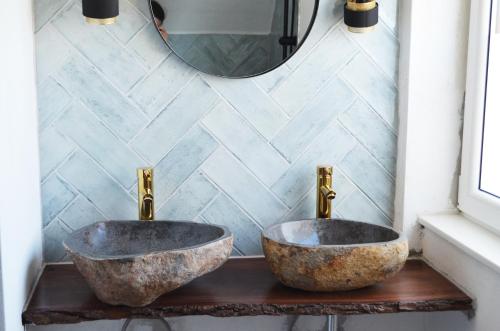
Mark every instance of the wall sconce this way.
pixel 361 15
pixel 100 12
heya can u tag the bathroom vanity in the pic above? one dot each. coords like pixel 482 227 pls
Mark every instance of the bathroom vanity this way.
pixel 122 268
pixel 244 287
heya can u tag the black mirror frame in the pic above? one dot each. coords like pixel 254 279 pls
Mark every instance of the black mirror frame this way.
pixel 306 35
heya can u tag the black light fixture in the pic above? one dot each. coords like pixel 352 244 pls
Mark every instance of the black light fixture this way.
pixel 361 15
pixel 101 12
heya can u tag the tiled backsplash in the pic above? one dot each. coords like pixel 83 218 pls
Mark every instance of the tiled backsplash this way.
pixel 235 152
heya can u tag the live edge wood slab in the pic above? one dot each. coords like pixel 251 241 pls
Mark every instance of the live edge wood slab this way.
pixel 244 287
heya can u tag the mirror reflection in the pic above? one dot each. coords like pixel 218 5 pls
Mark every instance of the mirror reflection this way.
pixel 234 38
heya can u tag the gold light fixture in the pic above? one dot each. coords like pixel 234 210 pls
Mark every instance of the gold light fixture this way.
pixel 100 12
pixel 361 15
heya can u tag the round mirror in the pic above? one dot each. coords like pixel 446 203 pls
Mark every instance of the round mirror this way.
pixel 234 38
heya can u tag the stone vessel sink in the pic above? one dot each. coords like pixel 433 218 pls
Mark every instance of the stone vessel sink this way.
pixel 132 262
pixel 333 254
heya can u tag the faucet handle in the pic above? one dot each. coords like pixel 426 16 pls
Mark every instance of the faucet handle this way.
pixel 147 178
pixel 325 170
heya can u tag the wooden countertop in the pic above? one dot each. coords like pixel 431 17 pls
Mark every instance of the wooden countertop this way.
pixel 244 287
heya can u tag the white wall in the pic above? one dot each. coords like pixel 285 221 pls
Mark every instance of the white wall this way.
pixel 433 36
pixel 475 278
pixel 449 321
pixel 20 216
pixel 434 64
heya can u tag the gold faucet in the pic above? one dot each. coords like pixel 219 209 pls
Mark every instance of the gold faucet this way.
pixel 145 190
pixel 324 192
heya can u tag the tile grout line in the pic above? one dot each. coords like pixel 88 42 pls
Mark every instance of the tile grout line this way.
pixel 372 59
pixel 316 45
pixel 152 119
pixel 308 145
pixel 120 139
pixel 180 138
pixel 63 161
pixel 367 196
pixel 222 143
pixel 56 13
pixel 335 75
pixel 135 86
pixel 180 186
pixel 232 106
pixel 137 11
pixel 267 188
pixel 123 48
pixel 76 52
pixel 363 99
pixel 225 194
pixel 211 202
pixel 369 150
pixel 82 149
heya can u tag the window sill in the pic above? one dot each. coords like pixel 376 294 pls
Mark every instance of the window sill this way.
pixel 473 239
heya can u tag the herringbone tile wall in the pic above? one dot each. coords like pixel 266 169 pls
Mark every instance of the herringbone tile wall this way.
pixel 235 152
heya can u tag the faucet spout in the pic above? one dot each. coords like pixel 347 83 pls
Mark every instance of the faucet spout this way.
pixel 325 193
pixel 146 197
pixel 147 209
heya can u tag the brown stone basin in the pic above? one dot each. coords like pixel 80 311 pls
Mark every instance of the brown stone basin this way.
pixel 333 254
pixel 132 262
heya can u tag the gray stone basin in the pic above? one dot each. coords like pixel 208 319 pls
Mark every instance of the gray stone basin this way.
pixel 134 262
pixel 333 254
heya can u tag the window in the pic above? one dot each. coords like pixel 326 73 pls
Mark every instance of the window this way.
pixel 479 195
pixel 490 157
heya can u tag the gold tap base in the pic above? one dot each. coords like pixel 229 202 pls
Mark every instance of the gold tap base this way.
pixel 361 30
pixel 361 6
pixel 101 21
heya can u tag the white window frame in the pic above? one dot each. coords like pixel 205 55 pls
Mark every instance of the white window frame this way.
pixel 477 205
